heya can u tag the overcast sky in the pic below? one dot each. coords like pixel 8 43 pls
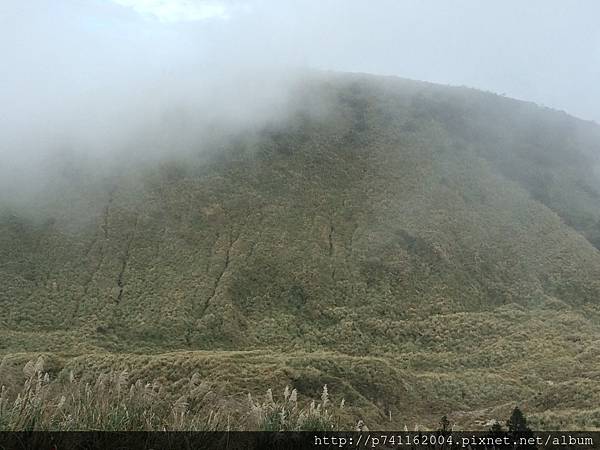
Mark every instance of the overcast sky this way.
pixel 72 58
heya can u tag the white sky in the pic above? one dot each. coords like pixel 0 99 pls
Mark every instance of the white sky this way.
pixel 546 51
pixel 178 10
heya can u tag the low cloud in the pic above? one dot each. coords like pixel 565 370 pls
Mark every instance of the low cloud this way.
pixel 105 77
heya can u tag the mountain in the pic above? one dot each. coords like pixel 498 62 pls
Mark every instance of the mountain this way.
pixel 421 249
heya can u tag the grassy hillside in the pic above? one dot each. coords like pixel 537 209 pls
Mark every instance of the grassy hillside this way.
pixel 422 250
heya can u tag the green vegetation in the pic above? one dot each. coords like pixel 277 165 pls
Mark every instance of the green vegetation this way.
pixel 421 250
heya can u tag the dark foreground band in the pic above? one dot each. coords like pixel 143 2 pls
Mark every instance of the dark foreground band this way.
pixel 300 440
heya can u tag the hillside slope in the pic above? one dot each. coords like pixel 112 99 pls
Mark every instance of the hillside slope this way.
pixel 406 243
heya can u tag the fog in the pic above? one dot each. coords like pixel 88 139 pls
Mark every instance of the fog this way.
pixel 88 78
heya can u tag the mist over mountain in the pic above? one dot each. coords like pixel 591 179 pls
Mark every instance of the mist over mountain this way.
pixel 404 243
pixel 205 200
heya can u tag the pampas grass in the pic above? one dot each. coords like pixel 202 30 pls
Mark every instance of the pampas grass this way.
pixel 113 402
pixel 288 415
